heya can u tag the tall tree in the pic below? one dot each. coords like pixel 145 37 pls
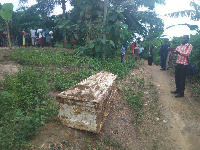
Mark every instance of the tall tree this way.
pixel 6 14
pixel 136 19
pixel 46 7
pixel 63 4
pixel 104 17
pixel 120 12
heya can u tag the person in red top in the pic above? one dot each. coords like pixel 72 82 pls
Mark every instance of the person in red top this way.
pixel 132 48
pixel 182 52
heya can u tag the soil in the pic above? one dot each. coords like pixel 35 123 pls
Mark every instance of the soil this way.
pixel 168 123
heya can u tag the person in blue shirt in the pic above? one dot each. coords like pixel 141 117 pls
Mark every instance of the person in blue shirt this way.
pixel 126 46
pixel 48 38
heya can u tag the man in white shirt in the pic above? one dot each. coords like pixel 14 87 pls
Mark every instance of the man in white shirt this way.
pixel 32 31
pixel 141 50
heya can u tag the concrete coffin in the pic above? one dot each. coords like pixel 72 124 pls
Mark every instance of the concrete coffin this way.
pixel 86 105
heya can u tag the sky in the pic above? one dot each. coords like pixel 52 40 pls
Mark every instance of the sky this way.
pixel 174 6
pixel 170 6
pixel 57 10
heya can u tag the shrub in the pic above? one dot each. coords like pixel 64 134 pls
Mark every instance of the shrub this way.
pixel 25 106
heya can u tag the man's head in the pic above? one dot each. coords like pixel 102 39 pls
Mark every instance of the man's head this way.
pixel 185 39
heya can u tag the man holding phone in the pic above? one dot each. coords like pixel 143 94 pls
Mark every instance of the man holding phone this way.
pixel 182 52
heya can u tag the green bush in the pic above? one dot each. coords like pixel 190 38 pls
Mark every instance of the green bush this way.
pixel 24 107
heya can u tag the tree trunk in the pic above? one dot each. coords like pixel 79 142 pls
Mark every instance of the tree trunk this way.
pixel 63 7
pixel 89 31
pixel 64 30
pixel 64 39
pixel 104 17
pixel 8 35
pixel 104 23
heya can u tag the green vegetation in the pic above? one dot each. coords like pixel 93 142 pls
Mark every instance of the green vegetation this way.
pixel 6 14
pixel 25 100
pixel 25 105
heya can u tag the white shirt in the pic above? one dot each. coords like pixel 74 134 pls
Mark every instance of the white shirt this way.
pixel 39 31
pixel 51 34
pixel 141 49
pixel 32 31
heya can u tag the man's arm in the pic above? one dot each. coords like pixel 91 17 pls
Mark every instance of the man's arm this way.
pixel 186 51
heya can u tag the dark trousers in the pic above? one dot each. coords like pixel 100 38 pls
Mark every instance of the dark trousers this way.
pixel 122 57
pixel 43 41
pixel 150 60
pixel 52 42
pixel 180 75
pixel 163 61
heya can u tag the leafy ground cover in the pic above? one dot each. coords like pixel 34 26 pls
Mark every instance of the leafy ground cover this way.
pixel 25 100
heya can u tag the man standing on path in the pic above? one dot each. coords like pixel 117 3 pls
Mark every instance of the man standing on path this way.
pixel 182 52
pixel 136 49
pixel 164 53
pixel 122 53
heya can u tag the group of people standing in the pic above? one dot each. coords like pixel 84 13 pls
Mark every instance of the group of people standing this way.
pixel 40 37
pixel 135 47
pixel 181 53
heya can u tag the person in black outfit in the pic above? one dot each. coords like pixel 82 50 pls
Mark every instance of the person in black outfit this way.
pixel 150 59
pixel 20 38
pixel 1 40
pixel 164 53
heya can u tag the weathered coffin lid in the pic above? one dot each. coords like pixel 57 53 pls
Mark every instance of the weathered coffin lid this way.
pixel 94 88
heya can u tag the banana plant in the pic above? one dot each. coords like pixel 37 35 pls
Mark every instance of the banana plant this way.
pixel 6 14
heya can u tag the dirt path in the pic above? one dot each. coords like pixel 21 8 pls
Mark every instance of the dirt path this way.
pixel 182 114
